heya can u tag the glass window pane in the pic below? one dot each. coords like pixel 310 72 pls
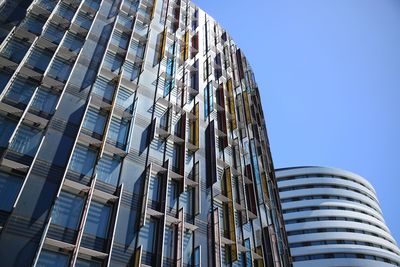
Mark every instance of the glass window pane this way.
pixel 108 170
pixel 67 210
pixel 53 33
pixel 26 140
pixel 83 160
pixel 60 69
pixel 126 99
pixel 73 42
pixel 65 11
pixel 15 49
pixel 20 92
pixel 33 23
pixel 98 219
pixel 87 263
pixel 9 189
pixel 45 101
pixel 118 132
pixel 39 59
pixel 104 89
pixel 7 127
pixel 94 122
pixel 52 259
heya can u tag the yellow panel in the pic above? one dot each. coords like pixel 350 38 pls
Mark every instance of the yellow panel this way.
pixel 196 127
pixel 163 43
pixel 259 263
pixel 231 213
pixel 231 101
pixel 153 9
pixel 264 185
pixel 247 107
pixel 186 47
pixel 138 257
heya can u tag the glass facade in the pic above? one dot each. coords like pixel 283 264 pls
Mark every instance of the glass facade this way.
pixel 131 134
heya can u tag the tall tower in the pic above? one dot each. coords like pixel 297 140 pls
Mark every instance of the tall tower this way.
pixel 333 218
pixel 131 134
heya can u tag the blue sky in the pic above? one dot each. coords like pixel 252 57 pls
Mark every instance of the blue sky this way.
pixel 329 76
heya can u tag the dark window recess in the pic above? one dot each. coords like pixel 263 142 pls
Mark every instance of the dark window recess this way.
pixel 239 63
pixel 211 164
pixel 223 140
pixel 250 193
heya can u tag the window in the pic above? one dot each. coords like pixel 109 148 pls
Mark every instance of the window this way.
pixel 120 39
pixel 73 42
pixel 87 263
pixel 15 49
pixel 39 59
pixel 196 256
pixel 60 69
pixel 67 210
pixel 113 61
pixel 169 84
pixel 208 99
pixel 172 195
pixel 33 23
pixel 97 222
pixel 53 33
pixel 84 20
pixel 248 253
pixel 5 76
pixel 47 4
pixel 131 70
pixel 118 132
pixel 49 258
pixel 154 194
pixel 93 3
pixel 104 89
pixel 94 123
pixel 26 140
pixel 83 160
pixel 44 101
pixel 20 92
pixel 150 232
pixel 108 169
pixel 126 99
pixel 65 11
pixel 125 21
pixel 7 127
pixel 9 189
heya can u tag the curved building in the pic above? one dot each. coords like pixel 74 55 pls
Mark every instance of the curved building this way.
pixel 131 134
pixel 333 218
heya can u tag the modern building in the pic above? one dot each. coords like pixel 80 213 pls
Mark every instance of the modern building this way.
pixel 131 134
pixel 333 218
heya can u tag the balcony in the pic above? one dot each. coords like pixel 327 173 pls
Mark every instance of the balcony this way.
pixel 6 63
pixel 46 44
pixel 23 34
pixel 10 164
pixel 60 21
pixel 10 110
pixel 114 149
pixel 30 73
pixel 88 9
pixel 78 29
pixel 108 74
pixel 67 54
pixel 39 10
pixel 117 49
pixel 50 242
pixel 35 121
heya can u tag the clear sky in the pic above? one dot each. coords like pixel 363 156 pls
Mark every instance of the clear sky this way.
pixel 329 76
